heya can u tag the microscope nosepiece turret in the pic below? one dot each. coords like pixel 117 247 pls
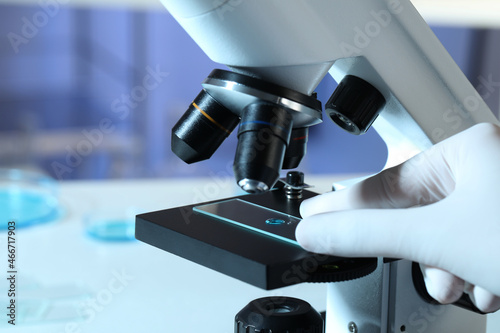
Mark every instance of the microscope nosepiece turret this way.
pixel 273 129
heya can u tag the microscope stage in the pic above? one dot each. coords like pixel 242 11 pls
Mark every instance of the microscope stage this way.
pixel 231 243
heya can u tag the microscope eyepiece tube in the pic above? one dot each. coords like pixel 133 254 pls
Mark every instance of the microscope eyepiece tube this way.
pixel 263 137
pixel 202 129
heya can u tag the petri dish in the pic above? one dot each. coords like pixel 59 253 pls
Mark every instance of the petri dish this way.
pixel 27 198
pixel 114 225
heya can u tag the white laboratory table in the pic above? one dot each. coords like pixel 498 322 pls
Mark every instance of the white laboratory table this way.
pixel 71 283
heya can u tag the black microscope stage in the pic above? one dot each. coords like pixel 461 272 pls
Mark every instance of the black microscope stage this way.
pixel 259 259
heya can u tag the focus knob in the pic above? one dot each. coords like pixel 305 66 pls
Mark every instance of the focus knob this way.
pixel 354 105
pixel 278 315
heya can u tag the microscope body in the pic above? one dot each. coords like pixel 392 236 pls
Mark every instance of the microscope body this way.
pixel 385 42
pixel 294 44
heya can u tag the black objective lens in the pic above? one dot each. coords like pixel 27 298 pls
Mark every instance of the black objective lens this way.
pixel 202 129
pixel 263 137
pixel 296 149
pixel 278 315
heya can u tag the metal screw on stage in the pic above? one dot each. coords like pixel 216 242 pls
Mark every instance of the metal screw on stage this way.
pixel 294 184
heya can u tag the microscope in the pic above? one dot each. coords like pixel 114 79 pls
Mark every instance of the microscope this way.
pixel 392 73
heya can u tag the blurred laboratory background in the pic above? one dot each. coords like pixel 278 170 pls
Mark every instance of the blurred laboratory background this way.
pixel 92 92
pixel 89 90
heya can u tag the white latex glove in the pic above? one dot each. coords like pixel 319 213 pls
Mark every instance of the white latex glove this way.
pixel 454 233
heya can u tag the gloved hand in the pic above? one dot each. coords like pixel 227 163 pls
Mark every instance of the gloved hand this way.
pixel 441 208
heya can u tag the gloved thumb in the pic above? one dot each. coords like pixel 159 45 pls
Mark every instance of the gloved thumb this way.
pixel 396 233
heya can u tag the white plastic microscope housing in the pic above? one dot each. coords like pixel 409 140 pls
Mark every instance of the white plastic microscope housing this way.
pixel 295 43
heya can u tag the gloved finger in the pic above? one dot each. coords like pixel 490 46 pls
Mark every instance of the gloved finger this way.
pixel 346 199
pixel 441 285
pixel 374 233
pixel 422 180
pixel 483 299
pixel 447 288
